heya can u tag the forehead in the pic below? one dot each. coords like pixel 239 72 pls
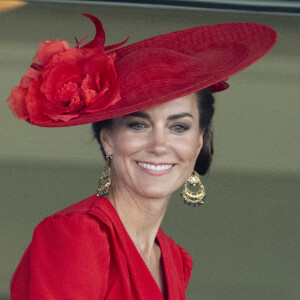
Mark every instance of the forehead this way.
pixel 176 108
pixel 184 104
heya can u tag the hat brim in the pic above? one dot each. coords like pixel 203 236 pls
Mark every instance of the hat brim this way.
pixel 167 67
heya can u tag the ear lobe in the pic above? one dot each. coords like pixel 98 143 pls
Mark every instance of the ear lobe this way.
pixel 105 138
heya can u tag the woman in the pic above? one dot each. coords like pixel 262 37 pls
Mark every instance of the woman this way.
pixel 151 106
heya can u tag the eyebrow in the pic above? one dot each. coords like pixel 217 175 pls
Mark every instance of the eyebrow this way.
pixel 178 116
pixel 139 114
pixel 147 116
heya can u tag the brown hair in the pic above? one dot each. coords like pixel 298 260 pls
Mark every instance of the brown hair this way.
pixel 206 108
pixel 205 101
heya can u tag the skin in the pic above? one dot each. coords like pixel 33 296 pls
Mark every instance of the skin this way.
pixel 167 136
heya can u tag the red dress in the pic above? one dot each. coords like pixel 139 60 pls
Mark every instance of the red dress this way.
pixel 85 252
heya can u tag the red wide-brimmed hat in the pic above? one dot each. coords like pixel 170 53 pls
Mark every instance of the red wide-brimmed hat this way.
pixel 67 86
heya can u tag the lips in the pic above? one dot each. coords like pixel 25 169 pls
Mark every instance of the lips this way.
pixel 155 167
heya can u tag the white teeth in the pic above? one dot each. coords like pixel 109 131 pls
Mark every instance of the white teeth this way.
pixel 154 167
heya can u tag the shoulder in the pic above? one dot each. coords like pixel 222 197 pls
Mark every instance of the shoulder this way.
pixel 72 224
pixel 180 255
pixel 177 250
pixel 68 254
pixel 82 207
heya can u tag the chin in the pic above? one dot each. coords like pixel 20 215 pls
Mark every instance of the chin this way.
pixel 155 193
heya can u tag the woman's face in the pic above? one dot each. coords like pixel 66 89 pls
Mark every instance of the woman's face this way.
pixel 154 150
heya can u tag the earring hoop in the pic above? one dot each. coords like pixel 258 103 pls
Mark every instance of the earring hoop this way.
pixel 105 179
pixel 193 192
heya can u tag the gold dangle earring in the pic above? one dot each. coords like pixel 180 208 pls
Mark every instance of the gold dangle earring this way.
pixel 105 179
pixel 193 192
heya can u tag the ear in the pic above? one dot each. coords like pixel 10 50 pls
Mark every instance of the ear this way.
pixel 106 140
pixel 200 145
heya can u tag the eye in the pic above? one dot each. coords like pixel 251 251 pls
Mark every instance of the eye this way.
pixel 180 128
pixel 137 126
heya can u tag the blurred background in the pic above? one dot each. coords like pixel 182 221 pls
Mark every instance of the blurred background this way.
pixel 245 239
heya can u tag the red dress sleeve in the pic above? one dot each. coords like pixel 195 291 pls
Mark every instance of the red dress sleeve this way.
pixel 68 258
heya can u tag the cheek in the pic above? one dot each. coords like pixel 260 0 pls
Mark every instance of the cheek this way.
pixel 189 150
pixel 127 144
pixel 190 147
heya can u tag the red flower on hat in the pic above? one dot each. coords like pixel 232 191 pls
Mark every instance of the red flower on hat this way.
pixel 64 83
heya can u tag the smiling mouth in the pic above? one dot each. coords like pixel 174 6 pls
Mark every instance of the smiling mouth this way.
pixel 160 167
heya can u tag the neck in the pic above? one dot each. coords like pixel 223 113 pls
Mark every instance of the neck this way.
pixel 141 218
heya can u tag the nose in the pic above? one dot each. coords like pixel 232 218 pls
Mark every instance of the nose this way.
pixel 158 141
